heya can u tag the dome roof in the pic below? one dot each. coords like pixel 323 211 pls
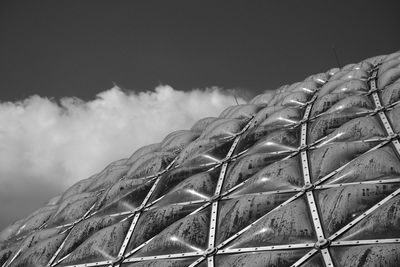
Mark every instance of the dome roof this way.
pixel 305 175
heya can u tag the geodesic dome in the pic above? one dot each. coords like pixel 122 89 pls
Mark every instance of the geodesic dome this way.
pixel 306 175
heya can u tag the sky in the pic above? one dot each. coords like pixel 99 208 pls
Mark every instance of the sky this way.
pixel 84 83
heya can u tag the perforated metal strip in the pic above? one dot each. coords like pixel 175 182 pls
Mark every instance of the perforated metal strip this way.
pixel 50 263
pixel 386 181
pixel 381 112
pixel 265 248
pixel 92 264
pixel 137 215
pixel 365 242
pixel 213 213
pixel 238 234
pixel 365 214
pixel 163 257
pixel 308 186
pixel 329 175
pixel 233 237
pixel 217 195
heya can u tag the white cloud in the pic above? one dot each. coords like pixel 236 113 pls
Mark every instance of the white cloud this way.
pixel 43 141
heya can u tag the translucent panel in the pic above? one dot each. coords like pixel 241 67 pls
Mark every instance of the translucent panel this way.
pixel 380 164
pixel 391 94
pixel 380 224
pixel 283 118
pixel 237 213
pixel 328 87
pixel 263 114
pixel 177 178
pixel 190 234
pixel 332 72
pixel 39 254
pixel 352 87
pixel 315 261
pixel 78 188
pixel 84 230
pixel 387 65
pixel 280 93
pixel 223 128
pixel 327 123
pixel 245 166
pixel 279 141
pixel 109 175
pixel 265 137
pixel 355 103
pixel 155 220
pixel 325 102
pixel 143 151
pixel 260 259
pixel 7 252
pixel 388 77
pixel 357 129
pixel 184 262
pixel 243 111
pixel 130 196
pixel 262 98
pixel 178 141
pixel 364 65
pixel 200 125
pixel 204 152
pixel 73 209
pixel 197 187
pixel 340 205
pixel 121 188
pixel 332 156
pixel 36 219
pixel 355 74
pixel 281 175
pixel 320 78
pixel 225 112
pixel 287 225
pixel 296 99
pixel 394 118
pixel 367 255
pixel 10 231
pixel 102 245
pixel 150 164
pixel 39 236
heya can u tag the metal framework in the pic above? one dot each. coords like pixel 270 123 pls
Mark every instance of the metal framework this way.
pixel 323 243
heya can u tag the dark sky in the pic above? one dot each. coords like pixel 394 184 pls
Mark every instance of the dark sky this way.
pixel 77 48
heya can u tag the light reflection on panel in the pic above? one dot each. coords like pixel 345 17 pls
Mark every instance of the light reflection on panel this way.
pixel 102 245
pixel 246 166
pixel 155 220
pixel 237 213
pixel 197 179
pixel 281 175
pixel 332 156
pixel 315 261
pixel 340 205
pixel 190 234
pixel 367 255
pixel 84 230
pixel 382 223
pixel 380 164
pixel 346 141
pixel 287 225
